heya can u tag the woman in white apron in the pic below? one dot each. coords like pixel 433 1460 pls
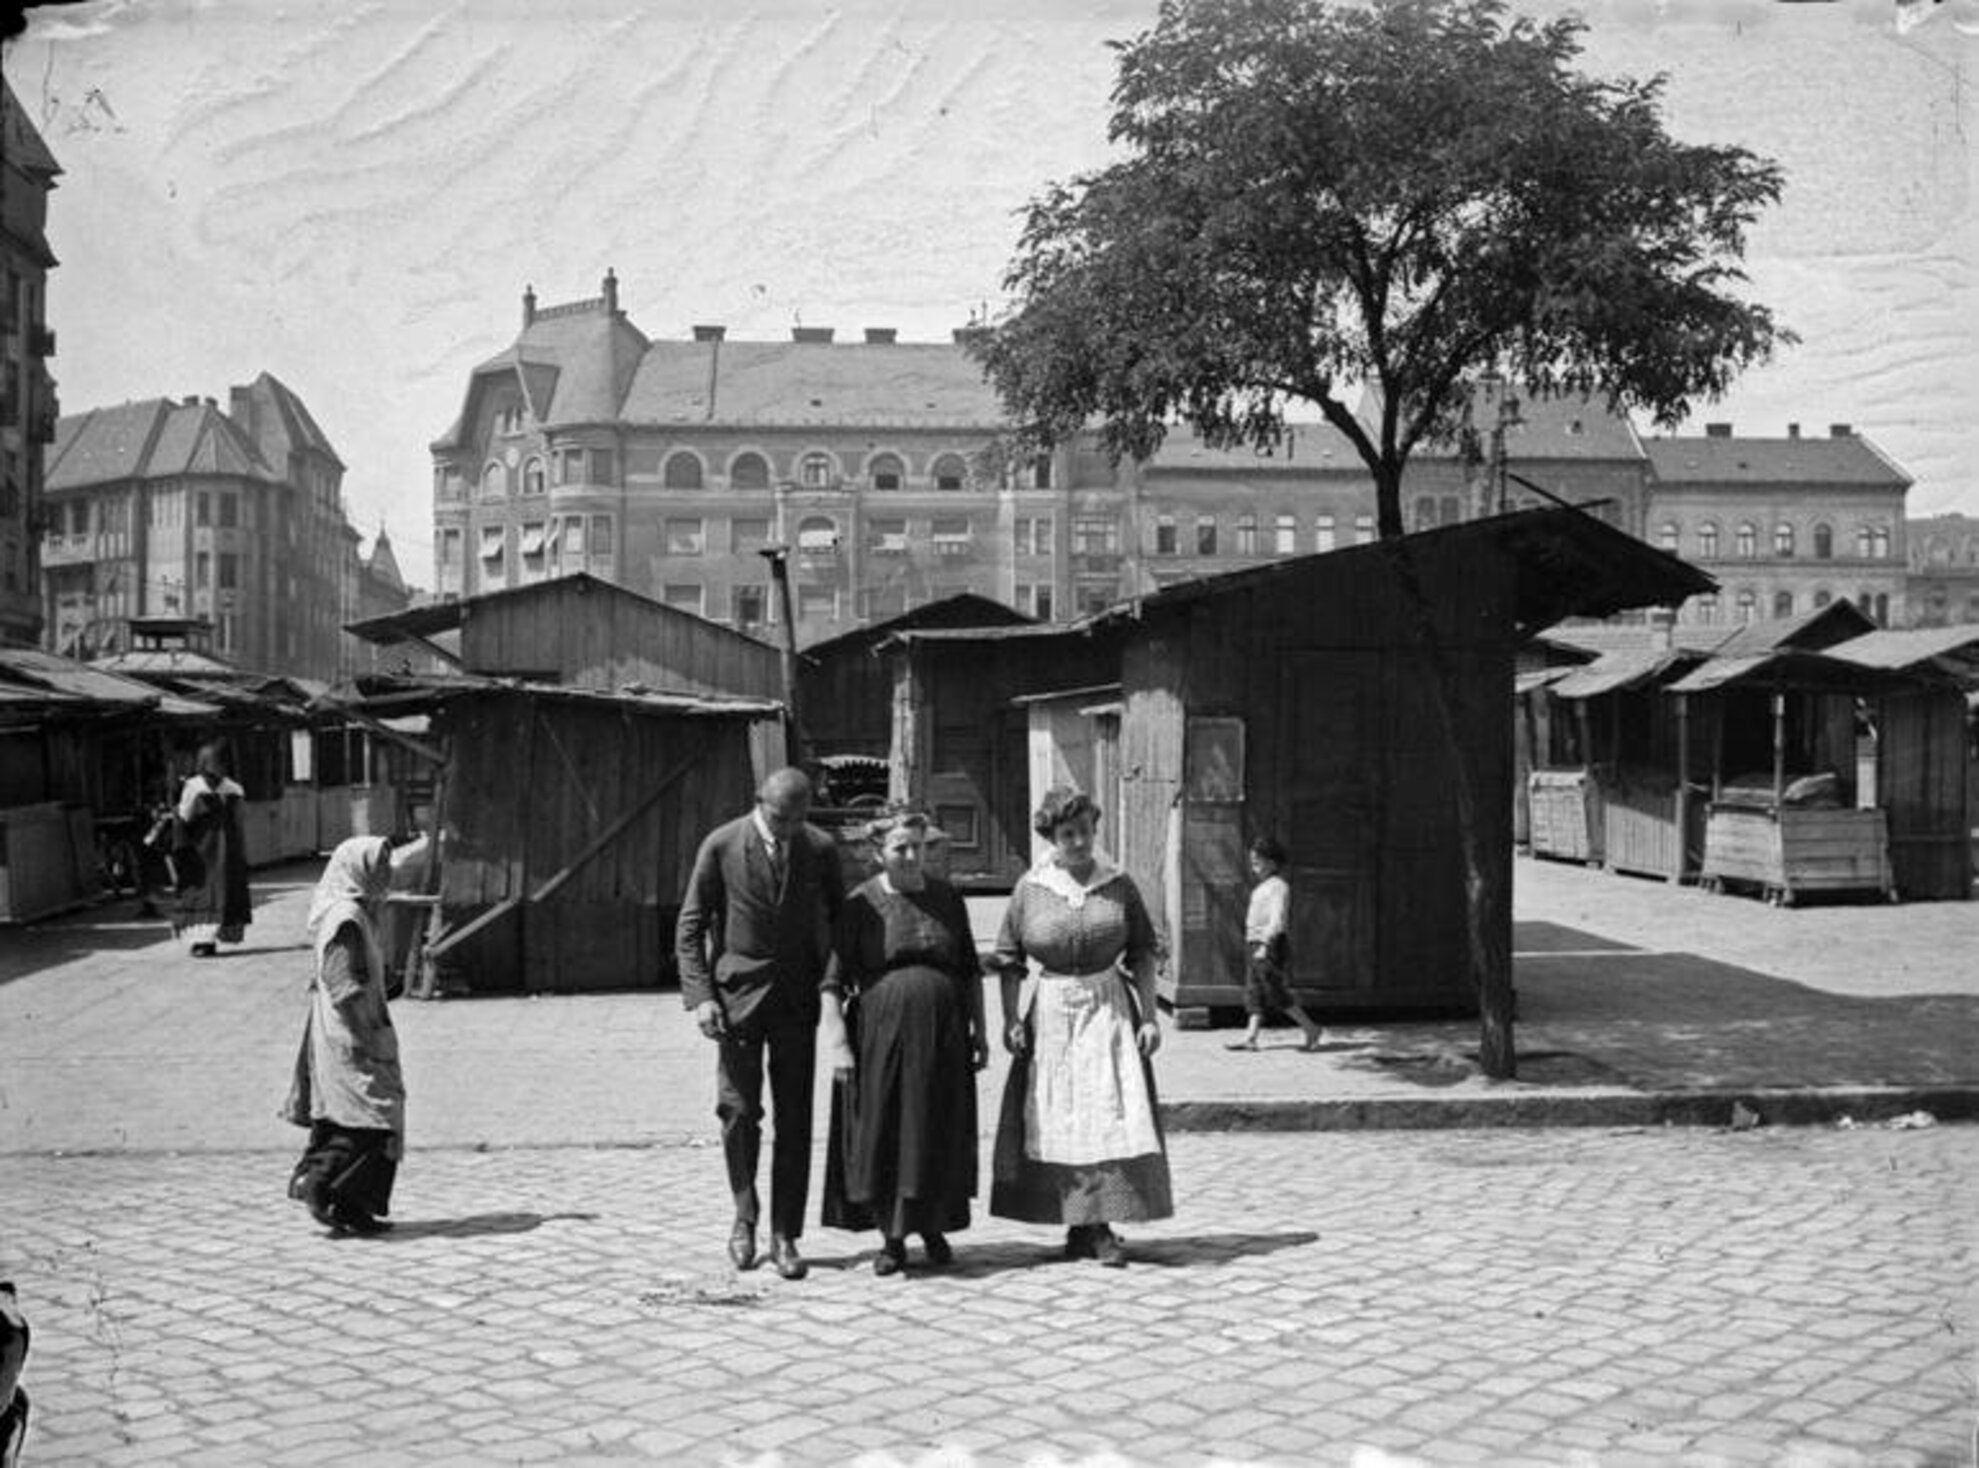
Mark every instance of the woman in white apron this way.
pixel 1078 1142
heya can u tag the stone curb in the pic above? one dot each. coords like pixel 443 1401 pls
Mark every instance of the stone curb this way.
pixel 1785 1106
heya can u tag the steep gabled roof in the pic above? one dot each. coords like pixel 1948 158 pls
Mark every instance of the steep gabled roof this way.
pixel 19 142
pixel 153 439
pixel 291 428
pixel 383 562
pixel 1850 459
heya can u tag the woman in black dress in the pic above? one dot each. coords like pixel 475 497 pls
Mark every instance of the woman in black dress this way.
pixel 904 1031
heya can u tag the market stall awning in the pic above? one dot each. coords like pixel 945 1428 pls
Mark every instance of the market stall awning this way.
pixel 1616 671
pixel 1950 652
pixel 1791 670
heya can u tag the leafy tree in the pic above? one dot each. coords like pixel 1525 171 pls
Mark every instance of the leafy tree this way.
pixel 1397 198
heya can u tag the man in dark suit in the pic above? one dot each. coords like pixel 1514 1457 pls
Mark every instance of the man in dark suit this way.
pixel 760 907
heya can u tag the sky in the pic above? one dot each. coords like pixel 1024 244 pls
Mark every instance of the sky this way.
pixel 353 198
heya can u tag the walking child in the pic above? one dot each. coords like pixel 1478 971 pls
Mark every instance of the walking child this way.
pixel 1266 986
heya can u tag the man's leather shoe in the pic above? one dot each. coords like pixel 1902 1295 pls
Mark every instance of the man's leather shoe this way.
pixel 742 1245
pixel 783 1254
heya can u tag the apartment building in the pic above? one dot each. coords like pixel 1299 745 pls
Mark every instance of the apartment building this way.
pixel 28 409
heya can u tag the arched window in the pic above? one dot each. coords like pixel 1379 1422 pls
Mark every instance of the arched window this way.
pixel 1783 541
pixel 683 471
pixel 1247 534
pixel 817 535
pixel 1748 540
pixel 1285 535
pixel 534 479
pixel 1863 542
pixel 1823 597
pixel 1782 604
pixel 817 470
pixel 886 471
pixel 949 472
pixel 1707 608
pixel 1748 605
pixel 749 471
pixel 494 481
pixel 1325 534
pixel 1824 542
pixel 1707 541
pixel 1669 537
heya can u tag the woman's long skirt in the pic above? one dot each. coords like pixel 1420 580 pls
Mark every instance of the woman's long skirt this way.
pixel 347 1170
pixel 1119 1189
pixel 904 1126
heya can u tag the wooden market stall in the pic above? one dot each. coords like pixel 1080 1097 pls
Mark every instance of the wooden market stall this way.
pixel 1786 815
pixel 567 822
pixel 1298 699
pixel 1924 769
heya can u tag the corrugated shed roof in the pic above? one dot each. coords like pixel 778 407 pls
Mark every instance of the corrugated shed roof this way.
pixel 1848 460
pixel 402 692
pixel 963 609
pixel 1598 638
pixel 896 384
pixel 1615 672
pixel 1789 668
pixel 46 670
pixel 1952 651
pixel 1814 629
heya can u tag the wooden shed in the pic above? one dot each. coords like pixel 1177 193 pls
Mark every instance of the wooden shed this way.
pixel 1295 699
pixel 959 740
pixel 581 632
pixel 568 821
pixel 1924 766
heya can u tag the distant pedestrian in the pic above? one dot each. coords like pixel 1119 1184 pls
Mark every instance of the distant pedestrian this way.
pixel 348 1088
pixel 1079 1142
pixel 209 856
pixel 903 1027
pixel 1267 947
pixel 754 933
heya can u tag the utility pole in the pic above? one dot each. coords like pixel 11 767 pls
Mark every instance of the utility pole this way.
pixel 779 558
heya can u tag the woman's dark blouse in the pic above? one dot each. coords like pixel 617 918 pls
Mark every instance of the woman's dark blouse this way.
pixel 880 930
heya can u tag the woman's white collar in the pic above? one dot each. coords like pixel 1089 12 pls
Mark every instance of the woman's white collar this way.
pixel 1050 875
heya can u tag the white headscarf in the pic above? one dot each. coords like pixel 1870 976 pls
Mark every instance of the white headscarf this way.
pixel 359 873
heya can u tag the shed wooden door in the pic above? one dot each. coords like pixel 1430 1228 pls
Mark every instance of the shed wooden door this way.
pixel 1920 783
pixel 1328 741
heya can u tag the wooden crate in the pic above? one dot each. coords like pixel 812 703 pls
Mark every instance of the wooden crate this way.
pixel 1566 815
pixel 1788 851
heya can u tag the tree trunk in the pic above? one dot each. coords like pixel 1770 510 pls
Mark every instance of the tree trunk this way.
pixel 1489 957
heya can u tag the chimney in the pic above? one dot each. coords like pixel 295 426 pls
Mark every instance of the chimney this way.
pixel 710 333
pixel 1840 430
pixel 528 305
pixel 810 333
pixel 191 401
pixel 611 291
pixel 881 335
pixel 1793 430
pixel 242 411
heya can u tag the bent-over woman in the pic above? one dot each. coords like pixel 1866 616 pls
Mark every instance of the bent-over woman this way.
pixel 1078 1141
pixel 903 1022
pixel 348 1089
pixel 210 857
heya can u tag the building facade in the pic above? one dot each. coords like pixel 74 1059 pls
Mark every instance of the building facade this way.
pixel 183 508
pixel 668 466
pixel 1943 586
pixel 28 409
pixel 1784 524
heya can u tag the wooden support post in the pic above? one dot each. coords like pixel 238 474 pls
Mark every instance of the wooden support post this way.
pixel 1779 748
pixel 1680 812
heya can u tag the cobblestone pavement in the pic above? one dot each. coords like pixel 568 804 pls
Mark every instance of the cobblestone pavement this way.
pixel 1577 1296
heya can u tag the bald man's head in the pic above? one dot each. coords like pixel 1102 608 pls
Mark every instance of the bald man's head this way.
pixel 784 800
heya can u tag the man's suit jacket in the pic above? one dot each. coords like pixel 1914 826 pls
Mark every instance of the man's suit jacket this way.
pixel 745 941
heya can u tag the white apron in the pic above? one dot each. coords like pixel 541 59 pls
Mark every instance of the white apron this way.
pixel 1088 1100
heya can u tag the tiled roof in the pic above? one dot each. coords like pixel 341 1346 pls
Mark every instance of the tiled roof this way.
pixel 1851 459
pixel 293 428
pixel 150 440
pixel 894 384
pixel 1579 428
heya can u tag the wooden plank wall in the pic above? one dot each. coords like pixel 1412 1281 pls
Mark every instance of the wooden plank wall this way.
pixel 595 636
pixel 1223 656
pixel 529 788
pixel 1921 783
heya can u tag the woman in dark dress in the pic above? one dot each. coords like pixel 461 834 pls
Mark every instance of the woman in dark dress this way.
pixel 210 857
pixel 904 1032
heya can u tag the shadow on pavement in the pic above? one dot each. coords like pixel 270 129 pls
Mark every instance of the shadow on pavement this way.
pixel 1535 936
pixel 478 1224
pixel 984 1260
